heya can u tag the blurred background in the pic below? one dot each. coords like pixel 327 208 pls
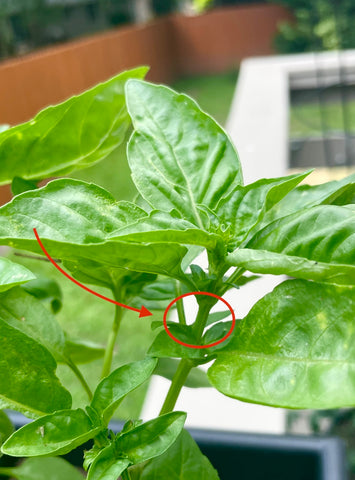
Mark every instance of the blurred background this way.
pixel 280 75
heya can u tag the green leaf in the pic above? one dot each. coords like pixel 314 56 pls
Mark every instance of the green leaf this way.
pixel 151 438
pixel 106 466
pixel 167 367
pixel 6 427
pixel 157 295
pixel 137 445
pixel 295 349
pixel 175 151
pixel 164 347
pixel 19 185
pixel 244 207
pixel 75 134
pixel 337 192
pixel 45 469
pixel 182 461
pixel 46 289
pixel 55 434
pixel 12 274
pixel 316 243
pixel 75 220
pixel 166 227
pixel 34 389
pixel 217 316
pixel 112 389
pixel 24 312
pixel 83 351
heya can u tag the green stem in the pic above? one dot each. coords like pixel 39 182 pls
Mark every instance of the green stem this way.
pixel 238 272
pixel 177 383
pixel 80 377
pixel 111 342
pixel 6 471
pixel 179 304
pixel 201 319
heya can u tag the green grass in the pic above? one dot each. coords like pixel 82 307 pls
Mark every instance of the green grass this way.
pixel 90 318
pixel 306 120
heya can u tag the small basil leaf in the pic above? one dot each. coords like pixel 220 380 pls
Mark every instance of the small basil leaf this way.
pixel 74 134
pixel 217 316
pixel 106 466
pixel 12 274
pixel 55 434
pixel 182 461
pixel 46 469
pixel 112 389
pixel 175 150
pixel 164 346
pixel 34 389
pixel 167 367
pixel 294 349
pixel 151 438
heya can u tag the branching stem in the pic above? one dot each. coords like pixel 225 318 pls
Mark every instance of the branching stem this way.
pixel 111 342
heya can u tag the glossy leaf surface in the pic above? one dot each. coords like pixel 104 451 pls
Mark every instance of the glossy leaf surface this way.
pixel 316 243
pixel 106 466
pixel 24 312
pixel 183 461
pixel 176 149
pixel 164 346
pixel 6 427
pixel 295 349
pixel 75 219
pixel 151 438
pixel 12 274
pixel 34 389
pixel 55 434
pixel 112 389
pixel 45 469
pixel 245 206
pixel 74 134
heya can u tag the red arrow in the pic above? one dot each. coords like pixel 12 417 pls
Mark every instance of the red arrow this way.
pixel 143 312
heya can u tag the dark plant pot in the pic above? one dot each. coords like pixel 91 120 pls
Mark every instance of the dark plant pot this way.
pixel 244 456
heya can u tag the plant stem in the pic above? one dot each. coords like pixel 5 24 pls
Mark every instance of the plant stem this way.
pixel 179 304
pixel 80 377
pixel 238 272
pixel 111 342
pixel 201 319
pixel 177 383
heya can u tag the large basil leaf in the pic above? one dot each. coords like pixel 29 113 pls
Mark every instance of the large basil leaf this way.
pixel 137 445
pixel 75 220
pixel 12 274
pixel 34 390
pixel 316 243
pixel 337 192
pixel 245 206
pixel 166 227
pixel 112 389
pixel 176 150
pixel 183 461
pixel 44 469
pixel 74 134
pixel 295 349
pixel 55 434
pixel 24 312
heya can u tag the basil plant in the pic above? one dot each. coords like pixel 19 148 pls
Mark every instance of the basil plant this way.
pixel 294 349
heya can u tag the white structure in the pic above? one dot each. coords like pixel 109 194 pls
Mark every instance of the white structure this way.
pixel 258 125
